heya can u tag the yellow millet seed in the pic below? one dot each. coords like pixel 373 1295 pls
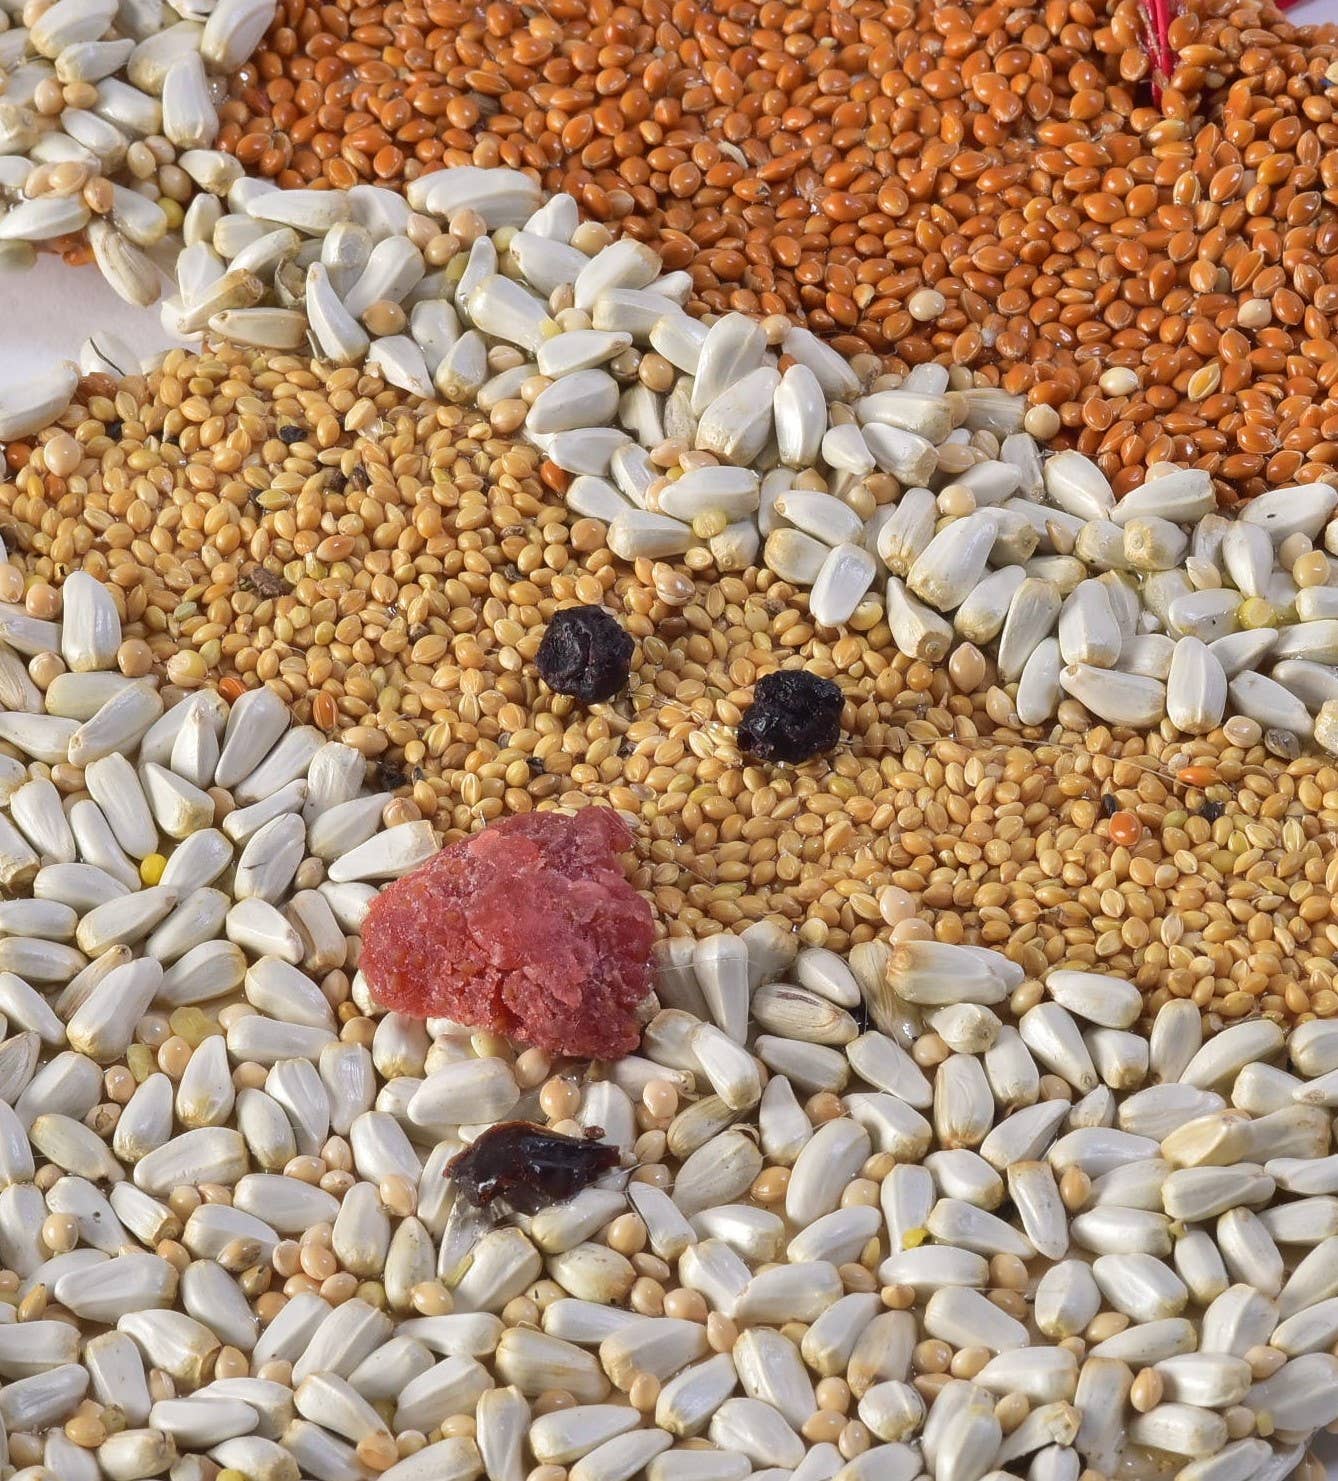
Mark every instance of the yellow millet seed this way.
pixel 1255 612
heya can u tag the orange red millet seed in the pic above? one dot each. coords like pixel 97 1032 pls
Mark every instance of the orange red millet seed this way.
pixel 1125 829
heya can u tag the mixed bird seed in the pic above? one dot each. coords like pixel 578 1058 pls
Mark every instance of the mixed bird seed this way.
pixel 981 1124
pixel 689 439
pixel 898 502
pixel 1152 277
pixel 405 618
pixel 989 185
pixel 108 115
pixel 910 1212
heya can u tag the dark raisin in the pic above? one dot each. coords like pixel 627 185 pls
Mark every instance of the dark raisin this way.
pixel 291 434
pixel 1212 811
pixel 585 653
pixel 528 1167
pixel 794 716
pixel 1110 805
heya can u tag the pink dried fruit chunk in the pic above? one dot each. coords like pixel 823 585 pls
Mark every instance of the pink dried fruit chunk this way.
pixel 528 928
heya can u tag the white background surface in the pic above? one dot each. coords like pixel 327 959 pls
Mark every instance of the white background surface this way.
pixel 51 310
pixel 48 312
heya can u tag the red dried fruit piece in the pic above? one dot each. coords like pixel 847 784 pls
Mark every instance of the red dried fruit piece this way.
pixel 528 928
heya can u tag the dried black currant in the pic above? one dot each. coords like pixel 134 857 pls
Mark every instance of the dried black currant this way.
pixel 585 653
pixel 794 716
pixel 528 1167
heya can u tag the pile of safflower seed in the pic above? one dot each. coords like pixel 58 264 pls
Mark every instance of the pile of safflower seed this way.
pixel 907 1212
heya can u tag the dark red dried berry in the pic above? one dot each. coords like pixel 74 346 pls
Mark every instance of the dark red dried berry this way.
pixel 527 1166
pixel 794 716
pixel 585 653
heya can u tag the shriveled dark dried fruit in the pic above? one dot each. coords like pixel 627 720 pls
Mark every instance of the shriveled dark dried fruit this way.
pixel 527 1166
pixel 795 715
pixel 585 653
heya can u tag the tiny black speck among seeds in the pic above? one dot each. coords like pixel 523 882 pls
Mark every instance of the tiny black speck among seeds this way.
pixel 291 434
pixel 794 716
pixel 585 653
pixel 115 430
pixel 1110 804
pixel 527 1166
pixel 392 777
pixel 1212 811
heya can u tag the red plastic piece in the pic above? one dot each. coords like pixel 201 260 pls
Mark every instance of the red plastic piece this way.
pixel 528 928
pixel 1158 15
